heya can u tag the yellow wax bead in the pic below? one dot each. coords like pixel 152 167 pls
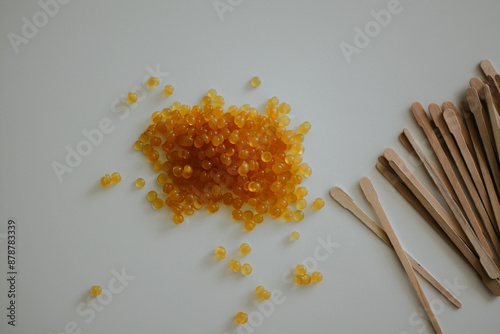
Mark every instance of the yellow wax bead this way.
pixel 235 265
pixel 176 105
pixel 259 289
pixel 162 178
pixel 298 279
pixel 139 183
pixel 245 248
pixel 237 215
pixel 255 82
pixel 220 252
pixel 241 318
pixel 131 97
pixel 287 214
pixel 264 294
pixel 284 120
pixel 318 204
pixel 250 225
pixel 206 100
pixel 316 277
pixel 168 90
pixel 258 218
pixel 300 269
pixel 138 145
pixel 284 108
pixel 301 204
pixel 219 101
pixel 266 156
pixel 157 203
pixel 152 195
pixel 116 177
pixel 298 215
pixel 243 169
pixel 301 192
pixel 143 138
pixel 96 290
pixel 246 269
pixel 254 186
pixel 212 93
pixel 245 107
pixel 153 82
pixel 104 181
pixel 295 235
pixel 177 219
pixel 306 279
pixel 304 128
pixel 212 207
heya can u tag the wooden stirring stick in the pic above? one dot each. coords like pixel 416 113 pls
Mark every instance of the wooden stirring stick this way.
pixel 437 116
pixel 494 118
pixel 476 109
pixel 348 203
pixel 493 82
pixel 372 197
pixel 441 216
pixel 487 67
pixel 489 198
pixel 485 258
pixel 465 133
pixel 425 124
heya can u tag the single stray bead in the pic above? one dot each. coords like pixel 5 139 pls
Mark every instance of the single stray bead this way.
pixel 300 269
pixel 295 235
pixel 132 97
pixel 255 82
pixel 152 195
pixel 264 294
pixel 139 183
pixel 259 289
pixel 96 290
pixel 245 248
pixel 246 269
pixel 168 90
pixel 116 177
pixel 178 219
pixel 220 252
pixel 153 82
pixel 235 265
pixel 318 204
pixel 241 318
pixel 316 277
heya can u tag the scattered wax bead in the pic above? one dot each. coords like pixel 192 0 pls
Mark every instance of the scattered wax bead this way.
pixel 298 279
pixel 139 183
pixel 266 156
pixel 237 215
pixel 212 207
pixel 258 218
pixel 138 145
pixel 246 269
pixel 304 128
pixel 157 165
pixel 301 192
pixel 206 100
pixel 153 82
pixel 168 90
pixel 143 138
pixel 241 318
pixel 104 181
pixel 158 203
pixel 316 277
pixel 255 82
pixel 259 289
pixel 250 225
pixel 305 279
pixel 295 236
pixel 212 93
pixel 152 195
pixel 298 215
pixel 284 108
pixel 264 294
pixel 96 290
pixel 220 252
pixel 162 178
pixel 219 101
pixel 300 269
pixel 177 219
pixel 245 248
pixel 247 215
pixel 132 97
pixel 318 204
pixel 235 265
pixel 301 204
pixel 287 215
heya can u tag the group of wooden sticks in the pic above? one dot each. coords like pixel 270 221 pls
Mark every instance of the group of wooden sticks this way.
pixel 467 177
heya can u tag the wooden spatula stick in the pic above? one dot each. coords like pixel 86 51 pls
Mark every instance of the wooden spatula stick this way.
pixel 348 203
pixel 485 258
pixel 372 197
pixel 494 118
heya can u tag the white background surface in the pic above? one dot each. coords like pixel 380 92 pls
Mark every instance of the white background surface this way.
pixel 72 234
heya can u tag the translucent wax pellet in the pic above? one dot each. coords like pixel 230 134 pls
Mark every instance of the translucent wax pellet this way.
pixel 140 182
pixel 132 97
pixel 300 269
pixel 235 265
pixel 168 90
pixel 152 195
pixel 96 290
pixel 255 82
pixel 241 318
pixel 220 252
pixel 318 204
pixel 153 82
pixel 245 248
pixel 316 277
pixel 294 236
pixel 246 269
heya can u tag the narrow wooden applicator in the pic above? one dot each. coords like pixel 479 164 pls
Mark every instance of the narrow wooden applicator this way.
pixel 348 203
pixel 372 197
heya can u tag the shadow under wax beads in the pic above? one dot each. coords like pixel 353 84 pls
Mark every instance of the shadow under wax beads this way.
pixel 220 252
pixel 246 269
pixel 241 318
pixel 206 155
pixel 96 290
pixel 294 236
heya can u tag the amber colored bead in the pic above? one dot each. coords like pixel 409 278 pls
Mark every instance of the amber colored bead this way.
pixel 220 252
pixel 153 82
pixel 318 204
pixel 241 318
pixel 301 269
pixel 245 248
pixel 237 215
pixel 250 225
pixel 298 215
pixel 301 204
pixel 158 203
pixel 264 294
pixel 168 90
pixel 152 195
pixel 177 219
pixel 259 289
pixel 235 265
pixel 96 290
pixel 295 236
pixel 246 269
pixel 316 277
pixel 255 82
pixel 139 183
